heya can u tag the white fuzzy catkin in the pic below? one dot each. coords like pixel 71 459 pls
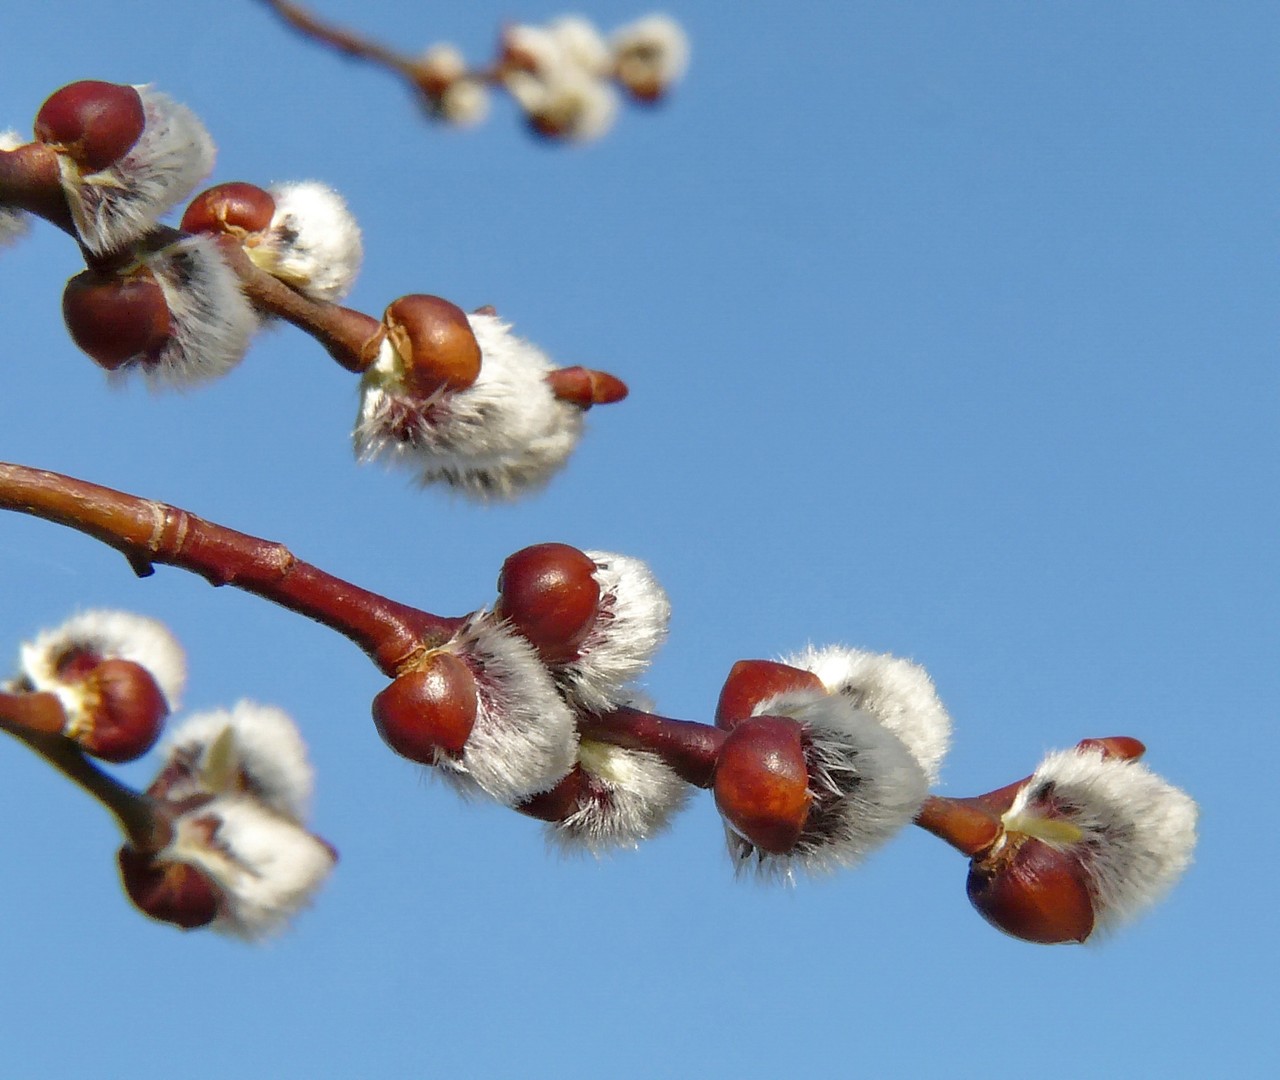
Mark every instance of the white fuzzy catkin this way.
pixel 13 223
pixel 565 101
pixel 630 627
pixel 1139 830
pixel 524 739
pixel 268 757
pixel 210 320
pixel 109 635
pixel 651 53
pixel 266 866
pixel 313 242
pixel 897 692
pixel 114 207
pixel 633 797
pixel 866 787
pixel 502 436
pixel 582 44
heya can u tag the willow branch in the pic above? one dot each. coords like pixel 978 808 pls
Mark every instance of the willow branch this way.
pixel 392 634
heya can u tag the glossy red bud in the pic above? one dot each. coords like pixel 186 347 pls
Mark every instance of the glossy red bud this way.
pixel 235 208
pixel 94 123
pixel 115 319
pixel 435 342
pixel 126 711
pixel 1032 891
pixel 761 782
pixel 549 594
pixel 428 710
pixel 171 892
pixel 562 801
pixel 584 387
pixel 751 682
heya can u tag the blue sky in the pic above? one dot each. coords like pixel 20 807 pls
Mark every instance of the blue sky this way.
pixel 951 332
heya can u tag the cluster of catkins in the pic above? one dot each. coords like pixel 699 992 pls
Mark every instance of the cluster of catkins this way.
pixel 226 844
pixel 563 75
pixel 456 397
pixel 814 761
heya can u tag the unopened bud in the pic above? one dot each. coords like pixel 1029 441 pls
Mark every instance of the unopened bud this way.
pixel 116 319
pixel 93 123
pixel 584 387
pixel 761 782
pixel 1032 891
pixel 235 208
pixel 753 683
pixel 428 711
pixel 435 344
pixel 549 594
pixel 172 892
pixel 123 712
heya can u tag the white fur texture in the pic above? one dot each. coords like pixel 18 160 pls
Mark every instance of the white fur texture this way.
pixel 270 759
pixel 633 797
pixel 116 206
pixel 866 787
pixel 211 321
pixel 464 104
pixel 111 635
pixel 630 627
pixel 505 434
pixel 896 692
pixel 313 242
pixel 524 740
pixel 1139 830
pixel 653 51
pixel 266 867
pixel 565 101
pixel 13 223
pixel 582 44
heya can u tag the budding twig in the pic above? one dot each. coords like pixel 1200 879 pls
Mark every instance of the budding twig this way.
pixel 146 532
pixel 36 720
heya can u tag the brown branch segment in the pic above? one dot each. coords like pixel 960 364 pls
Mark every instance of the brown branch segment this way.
pixel 146 532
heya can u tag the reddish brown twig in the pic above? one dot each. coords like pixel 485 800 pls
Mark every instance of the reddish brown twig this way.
pixel 146 532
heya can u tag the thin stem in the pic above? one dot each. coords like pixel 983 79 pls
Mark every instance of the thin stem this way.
pixel 146 532
pixel 146 826
pixel 965 824
pixel 688 747
pixel 347 42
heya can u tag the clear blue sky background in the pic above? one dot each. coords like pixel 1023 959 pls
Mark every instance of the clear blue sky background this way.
pixel 951 331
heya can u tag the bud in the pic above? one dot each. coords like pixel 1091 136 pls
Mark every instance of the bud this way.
pixel 1089 841
pixel 119 711
pixel 753 684
pixel 523 740
pixel 119 179
pixel 628 629
pixel 612 798
pixel 564 103
pixel 117 319
pixel 504 434
pixel 896 692
pixel 863 784
pixel 550 596
pixel 761 783
pixel 251 749
pixel 581 44
pixel 210 322
pixel 449 93
pixel 59 659
pixel 430 711
pixel 650 56
pixel 433 344
pixel 301 233
pixel 170 892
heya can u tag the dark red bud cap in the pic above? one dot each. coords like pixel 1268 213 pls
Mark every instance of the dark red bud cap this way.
pixel 172 892
pixel 761 782
pixel 94 123
pixel 127 711
pixel 1032 891
pixel 549 593
pixel 584 387
pixel 430 709
pixel 436 343
pixel 751 682
pixel 233 208
pixel 114 318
